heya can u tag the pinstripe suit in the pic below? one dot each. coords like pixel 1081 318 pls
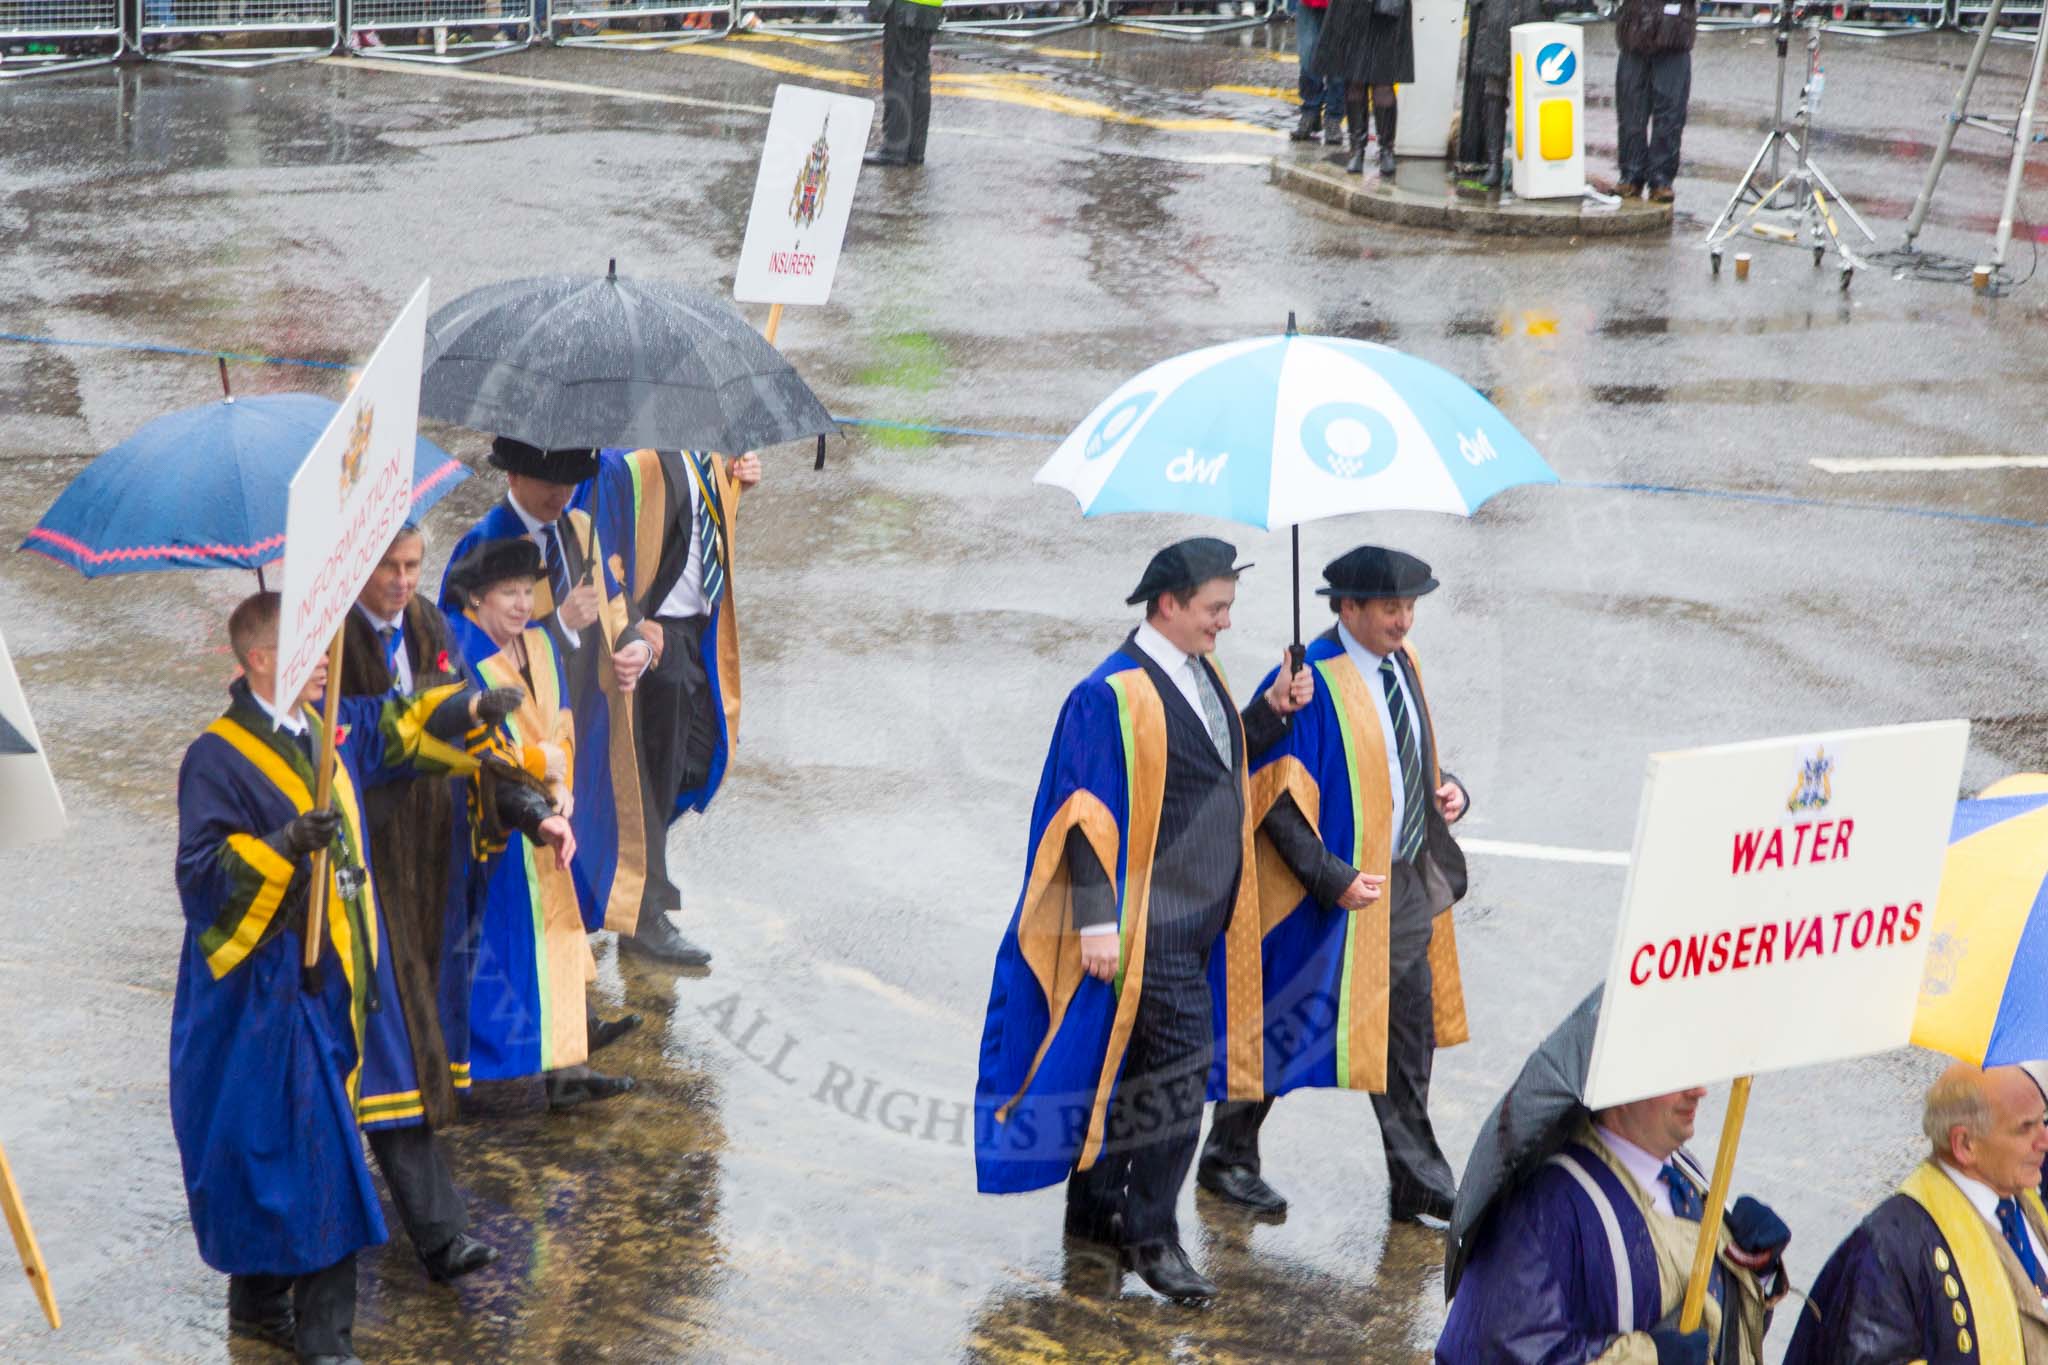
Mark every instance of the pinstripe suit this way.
pixel 1156 1118
pixel 1417 1173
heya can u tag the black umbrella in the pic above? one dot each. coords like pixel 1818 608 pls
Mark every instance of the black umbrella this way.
pixel 12 741
pixel 1533 1120
pixel 580 360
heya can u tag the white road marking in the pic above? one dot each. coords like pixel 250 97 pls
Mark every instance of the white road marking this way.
pixel 1929 464
pixel 1547 853
pixel 463 73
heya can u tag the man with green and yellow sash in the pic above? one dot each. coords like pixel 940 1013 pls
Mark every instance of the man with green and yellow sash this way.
pixel 1951 1268
pixel 1357 872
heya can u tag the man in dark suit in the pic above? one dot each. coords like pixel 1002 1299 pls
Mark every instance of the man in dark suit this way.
pixel 1127 1197
pixel 1393 856
pixel 908 27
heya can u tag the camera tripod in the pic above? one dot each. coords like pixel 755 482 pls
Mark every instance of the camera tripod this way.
pixel 1793 208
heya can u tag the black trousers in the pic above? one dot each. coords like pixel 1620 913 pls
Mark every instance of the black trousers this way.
pixel 324 1302
pixel 678 735
pixel 906 88
pixel 1416 1169
pixel 421 1185
pixel 1155 1120
pixel 1650 97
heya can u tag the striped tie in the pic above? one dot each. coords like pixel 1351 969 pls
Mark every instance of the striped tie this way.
pixel 1408 839
pixel 710 533
pixel 557 564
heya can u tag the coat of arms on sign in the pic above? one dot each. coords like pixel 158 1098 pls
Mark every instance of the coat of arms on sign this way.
pixel 810 181
pixel 358 445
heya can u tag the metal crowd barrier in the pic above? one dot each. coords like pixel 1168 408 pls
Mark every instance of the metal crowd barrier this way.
pixel 2017 23
pixel 663 23
pixel 824 21
pixel 38 36
pixel 1012 19
pixel 448 32
pixel 1187 18
pixel 1858 18
pixel 251 32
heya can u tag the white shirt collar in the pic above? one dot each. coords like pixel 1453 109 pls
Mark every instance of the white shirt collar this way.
pixel 381 623
pixel 1163 651
pixel 1645 1167
pixel 1982 1197
pixel 291 722
pixel 533 523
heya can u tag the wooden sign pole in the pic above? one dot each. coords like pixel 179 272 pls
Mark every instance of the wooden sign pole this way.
pixel 25 1243
pixel 1695 1305
pixel 323 792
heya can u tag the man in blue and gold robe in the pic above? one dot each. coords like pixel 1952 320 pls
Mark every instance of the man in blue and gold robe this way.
pixel 1357 874
pixel 669 518
pixel 1951 1268
pixel 1103 1034
pixel 273 1073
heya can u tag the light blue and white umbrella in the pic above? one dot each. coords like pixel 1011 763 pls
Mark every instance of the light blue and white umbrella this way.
pixel 1278 430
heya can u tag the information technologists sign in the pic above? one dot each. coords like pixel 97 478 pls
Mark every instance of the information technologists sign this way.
pixel 802 196
pixel 350 497
pixel 1778 906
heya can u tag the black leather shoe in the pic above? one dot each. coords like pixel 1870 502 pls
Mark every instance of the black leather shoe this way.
pixel 884 159
pixel 581 1085
pixel 1433 1204
pixel 1164 1266
pixel 657 938
pixel 281 1331
pixel 458 1258
pixel 1242 1185
pixel 603 1033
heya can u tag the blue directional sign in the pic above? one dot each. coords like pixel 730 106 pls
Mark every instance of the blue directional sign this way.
pixel 1556 63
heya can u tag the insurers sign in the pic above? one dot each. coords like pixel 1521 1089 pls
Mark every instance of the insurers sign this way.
pixel 803 195
pixel 350 498
pixel 1777 906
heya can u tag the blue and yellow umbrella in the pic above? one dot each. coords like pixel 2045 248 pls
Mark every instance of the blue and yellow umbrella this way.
pixel 1985 995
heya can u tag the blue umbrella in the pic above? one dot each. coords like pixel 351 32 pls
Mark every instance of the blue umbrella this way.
pixel 204 489
pixel 1278 430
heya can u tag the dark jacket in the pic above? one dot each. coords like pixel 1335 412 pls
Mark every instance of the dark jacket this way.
pixel 1648 27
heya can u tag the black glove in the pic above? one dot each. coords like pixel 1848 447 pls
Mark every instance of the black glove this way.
pixel 312 831
pixel 1680 1348
pixel 493 706
pixel 1753 1227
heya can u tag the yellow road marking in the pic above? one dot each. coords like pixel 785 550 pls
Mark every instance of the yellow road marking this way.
pixel 1075 54
pixel 1025 91
pixel 1267 92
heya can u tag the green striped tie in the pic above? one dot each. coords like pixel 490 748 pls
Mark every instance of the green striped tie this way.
pixel 1408 839
pixel 710 528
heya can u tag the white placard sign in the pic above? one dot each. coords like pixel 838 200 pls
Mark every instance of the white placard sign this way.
pixel 802 196
pixel 30 809
pixel 1778 906
pixel 350 498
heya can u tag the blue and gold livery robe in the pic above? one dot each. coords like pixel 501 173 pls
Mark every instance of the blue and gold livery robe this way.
pixel 637 496
pixel 1327 971
pixel 531 960
pixel 610 818
pixel 1925 1278
pixel 1053 1046
pixel 269 1082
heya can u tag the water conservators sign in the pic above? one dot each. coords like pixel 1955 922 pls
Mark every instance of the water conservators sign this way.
pixel 803 196
pixel 350 498
pixel 1778 906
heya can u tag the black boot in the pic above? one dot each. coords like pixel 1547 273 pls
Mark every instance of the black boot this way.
pixel 1383 116
pixel 1496 137
pixel 1354 117
pixel 1310 123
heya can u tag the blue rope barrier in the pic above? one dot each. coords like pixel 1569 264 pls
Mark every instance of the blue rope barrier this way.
pixel 162 348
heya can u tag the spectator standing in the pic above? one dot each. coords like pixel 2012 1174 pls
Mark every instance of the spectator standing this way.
pixel 1322 102
pixel 1652 86
pixel 1368 45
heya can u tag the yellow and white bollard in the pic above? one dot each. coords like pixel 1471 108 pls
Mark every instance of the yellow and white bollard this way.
pixel 1546 121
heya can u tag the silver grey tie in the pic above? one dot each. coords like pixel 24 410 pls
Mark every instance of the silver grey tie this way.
pixel 1212 711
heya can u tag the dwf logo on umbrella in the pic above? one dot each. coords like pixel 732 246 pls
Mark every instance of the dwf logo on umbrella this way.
pixel 1349 440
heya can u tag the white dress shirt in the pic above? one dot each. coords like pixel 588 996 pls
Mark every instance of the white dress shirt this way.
pixel 1646 1168
pixel 534 532
pixel 1368 665
pixel 687 598
pixel 292 722
pixel 1984 1199
pixel 401 667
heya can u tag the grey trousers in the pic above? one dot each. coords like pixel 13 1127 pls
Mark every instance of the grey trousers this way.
pixel 1416 1168
pixel 1650 98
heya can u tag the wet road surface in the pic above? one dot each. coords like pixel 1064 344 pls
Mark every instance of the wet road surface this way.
pixel 793 1178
